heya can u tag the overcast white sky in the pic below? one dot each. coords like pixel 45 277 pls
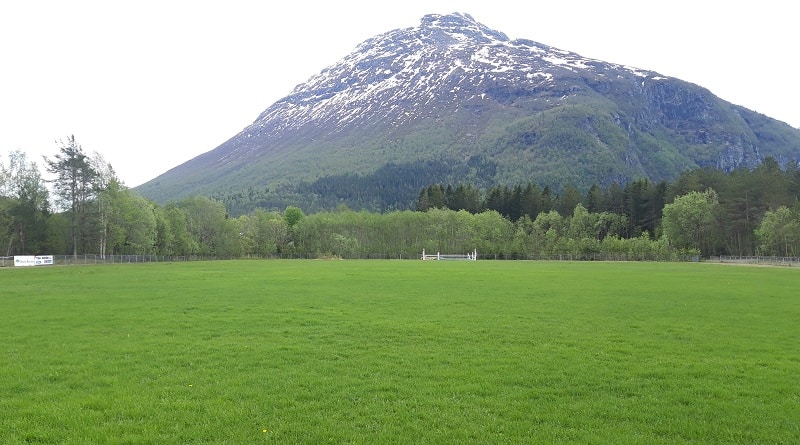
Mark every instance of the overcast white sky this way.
pixel 153 83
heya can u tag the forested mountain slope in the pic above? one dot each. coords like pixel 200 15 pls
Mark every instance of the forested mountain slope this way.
pixel 452 101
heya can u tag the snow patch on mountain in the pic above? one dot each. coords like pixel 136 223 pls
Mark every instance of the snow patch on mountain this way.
pixel 405 73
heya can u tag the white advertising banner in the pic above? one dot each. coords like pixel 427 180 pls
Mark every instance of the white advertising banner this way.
pixel 31 260
pixel 24 260
pixel 44 260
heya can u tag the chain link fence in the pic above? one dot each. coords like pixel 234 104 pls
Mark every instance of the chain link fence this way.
pixel 65 260
pixel 758 260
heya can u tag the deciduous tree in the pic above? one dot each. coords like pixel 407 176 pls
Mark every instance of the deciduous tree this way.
pixel 779 232
pixel 25 206
pixel 690 222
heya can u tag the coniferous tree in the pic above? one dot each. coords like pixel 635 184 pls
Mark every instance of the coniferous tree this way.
pixel 614 199
pixel 654 207
pixel 547 200
pixel 793 176
pixel 633 193
pixel 568 200
pixel 465 197
pixel 594 199
pixel 495 200
pixel 531 201
pixel 774 185
pixel 73 184
pixel 431 197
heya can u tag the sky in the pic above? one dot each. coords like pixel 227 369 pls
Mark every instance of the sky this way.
pixel 153 83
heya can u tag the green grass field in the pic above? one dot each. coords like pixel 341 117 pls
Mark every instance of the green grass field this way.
pixel 400 352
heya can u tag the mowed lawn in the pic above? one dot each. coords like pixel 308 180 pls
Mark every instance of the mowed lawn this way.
pixel 400 352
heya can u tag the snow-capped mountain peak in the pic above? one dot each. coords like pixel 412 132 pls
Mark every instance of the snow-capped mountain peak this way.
pixel 408 73
pixel 458 93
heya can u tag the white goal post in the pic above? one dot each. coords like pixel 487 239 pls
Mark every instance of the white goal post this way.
pixel 471 256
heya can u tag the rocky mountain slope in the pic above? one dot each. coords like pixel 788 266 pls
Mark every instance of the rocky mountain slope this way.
pixel 454 101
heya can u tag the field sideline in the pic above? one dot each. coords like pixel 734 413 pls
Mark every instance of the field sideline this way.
pixel 400 352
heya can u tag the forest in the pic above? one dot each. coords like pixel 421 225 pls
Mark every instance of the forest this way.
pixel 86 209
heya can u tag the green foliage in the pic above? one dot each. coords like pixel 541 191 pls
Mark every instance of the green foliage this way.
pixel 626 220
pixel 392 186
pixel 691 221
pixel 744 197
pixel 640 202
pixel 126 222
pixel 136 222
pixel 269 232
pixel 293 215
pixel 74 185
pixel 175 239
pixel 24 207
pixel 361 234
pixel 779 232
pixel 207 222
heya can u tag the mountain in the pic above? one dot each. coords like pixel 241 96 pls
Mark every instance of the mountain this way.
pixel 454 101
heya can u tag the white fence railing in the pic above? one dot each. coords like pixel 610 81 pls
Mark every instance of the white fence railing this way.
pixel 472 256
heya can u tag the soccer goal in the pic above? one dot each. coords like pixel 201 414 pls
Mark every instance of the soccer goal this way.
pixel 471 256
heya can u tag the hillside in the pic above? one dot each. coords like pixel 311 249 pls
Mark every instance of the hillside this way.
pixel 454 101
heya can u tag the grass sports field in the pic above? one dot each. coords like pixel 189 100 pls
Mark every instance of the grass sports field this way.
pixel 400 352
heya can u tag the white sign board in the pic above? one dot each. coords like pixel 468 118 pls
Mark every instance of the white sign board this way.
pixel 30 260
pixel 24 260
pixel 43 260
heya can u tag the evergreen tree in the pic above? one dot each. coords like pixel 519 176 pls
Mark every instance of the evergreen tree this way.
pixel 568 200
pixel 594 199
pixel 431 197
pixel 614 199
pixel 465 197
pixel 793 176
pixel 531 201
pixel 496 200
pixel 73 184
pixel 774 185
pixel 547 200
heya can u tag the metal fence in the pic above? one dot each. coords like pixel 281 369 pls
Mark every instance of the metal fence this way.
pixel 132 259
pixel 63 260
pixel 506 256
pixel 758 260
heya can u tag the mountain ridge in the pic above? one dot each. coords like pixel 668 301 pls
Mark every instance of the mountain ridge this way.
pixel 455 91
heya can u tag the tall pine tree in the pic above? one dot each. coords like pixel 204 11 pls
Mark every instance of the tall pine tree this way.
pixel 74 185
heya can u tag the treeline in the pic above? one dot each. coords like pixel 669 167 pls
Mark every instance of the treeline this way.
pixel 394 186
pixel 741 201
pixel 641 202
pixel 704 211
